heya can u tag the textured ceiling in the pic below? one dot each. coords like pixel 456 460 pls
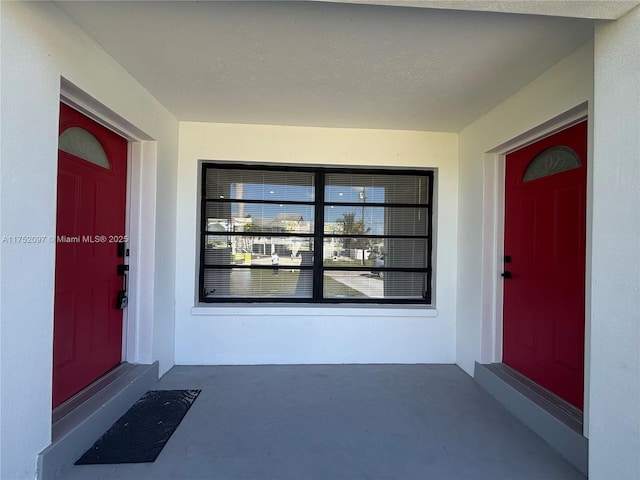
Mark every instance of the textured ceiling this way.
pixel 595 9
pixel 327 64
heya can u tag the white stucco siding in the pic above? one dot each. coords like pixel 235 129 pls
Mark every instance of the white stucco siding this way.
pixel 39 45
pixel 566 85
pixel 306 333
pixel 615 318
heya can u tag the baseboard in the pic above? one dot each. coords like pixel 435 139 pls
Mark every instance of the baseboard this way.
pixel 558 423
pixel 80 421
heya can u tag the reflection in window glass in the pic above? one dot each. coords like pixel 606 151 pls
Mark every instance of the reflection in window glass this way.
pixel 358 284
pixel 376 188
pixel 262 283
pixel 267 185
pixel 259 218
pixel 366 220
pixel 259 227
pixel 404 252
pixel 226 249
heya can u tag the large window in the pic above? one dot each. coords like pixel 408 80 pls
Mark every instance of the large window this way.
pixel 275 234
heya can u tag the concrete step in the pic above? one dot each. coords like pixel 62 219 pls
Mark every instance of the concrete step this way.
pixel 82 419
pixel 557 422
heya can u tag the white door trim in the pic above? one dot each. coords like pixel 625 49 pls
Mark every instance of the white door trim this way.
pixel 493 235
pixel 141 196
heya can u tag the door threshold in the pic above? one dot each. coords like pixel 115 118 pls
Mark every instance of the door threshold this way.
pixel 81 420
pixel 559 423
pixel 84 395
pixel 556 406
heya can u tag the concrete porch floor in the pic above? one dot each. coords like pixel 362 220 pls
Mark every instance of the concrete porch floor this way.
pixel 336 422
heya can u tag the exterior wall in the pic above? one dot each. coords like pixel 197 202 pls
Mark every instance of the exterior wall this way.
pixel 607 75
pixel 556 97
pixel 615 318
pixel 39 45
pixel 566 85
pixel 305 333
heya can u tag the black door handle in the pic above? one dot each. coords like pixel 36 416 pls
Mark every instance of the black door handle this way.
pixel 507 275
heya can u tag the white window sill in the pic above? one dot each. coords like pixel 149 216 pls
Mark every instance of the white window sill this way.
pixel 279 310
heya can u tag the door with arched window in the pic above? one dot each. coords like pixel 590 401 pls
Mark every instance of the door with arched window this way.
pixel 90 224
pixel 544 286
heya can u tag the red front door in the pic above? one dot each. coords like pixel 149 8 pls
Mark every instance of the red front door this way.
pixel 90 222
pixel 545 197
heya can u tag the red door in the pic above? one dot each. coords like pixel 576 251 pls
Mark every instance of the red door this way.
pixel 545 196
pixel 87 339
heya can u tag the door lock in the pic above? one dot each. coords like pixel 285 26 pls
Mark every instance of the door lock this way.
pixel 122 300
pixel 123 250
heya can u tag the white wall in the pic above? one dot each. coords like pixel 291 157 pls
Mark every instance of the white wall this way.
pixel 615 320
pixel 39 45
pixel 305 333
pixel 566 85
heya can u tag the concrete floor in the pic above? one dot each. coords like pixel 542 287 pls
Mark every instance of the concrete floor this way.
pixel 338 422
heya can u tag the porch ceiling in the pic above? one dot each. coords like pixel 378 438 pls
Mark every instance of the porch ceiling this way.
pixel 331 63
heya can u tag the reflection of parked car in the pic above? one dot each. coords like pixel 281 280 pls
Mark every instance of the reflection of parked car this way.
pixel 378 262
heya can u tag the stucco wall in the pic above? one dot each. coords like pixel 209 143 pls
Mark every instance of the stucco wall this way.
pixel 615 318
pixel 566 85
pixel 607 75
pixel 304 333
pixel 39 45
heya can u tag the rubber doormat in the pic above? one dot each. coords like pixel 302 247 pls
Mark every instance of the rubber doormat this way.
pixel 141 433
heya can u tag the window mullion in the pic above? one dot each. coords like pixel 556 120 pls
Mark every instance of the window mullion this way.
pixel 203 222
pixel 318 274
pixel 429 292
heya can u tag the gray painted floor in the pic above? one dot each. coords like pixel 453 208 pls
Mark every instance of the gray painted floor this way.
pixel 341 422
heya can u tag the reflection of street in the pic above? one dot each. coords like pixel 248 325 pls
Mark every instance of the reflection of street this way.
pixel 304 284
pixel 366 283
pixel 285 262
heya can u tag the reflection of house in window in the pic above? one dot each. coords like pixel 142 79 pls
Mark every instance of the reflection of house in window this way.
pixel 288 222
pixel 284 223
pixel 217 226
pixel 281 223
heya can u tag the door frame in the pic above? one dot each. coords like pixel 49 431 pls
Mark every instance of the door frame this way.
pixel 140 204
pixel 494 163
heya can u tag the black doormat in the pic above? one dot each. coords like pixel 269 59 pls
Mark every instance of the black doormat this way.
pixel 141 433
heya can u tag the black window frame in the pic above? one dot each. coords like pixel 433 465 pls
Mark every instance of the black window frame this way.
pixel 319 235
